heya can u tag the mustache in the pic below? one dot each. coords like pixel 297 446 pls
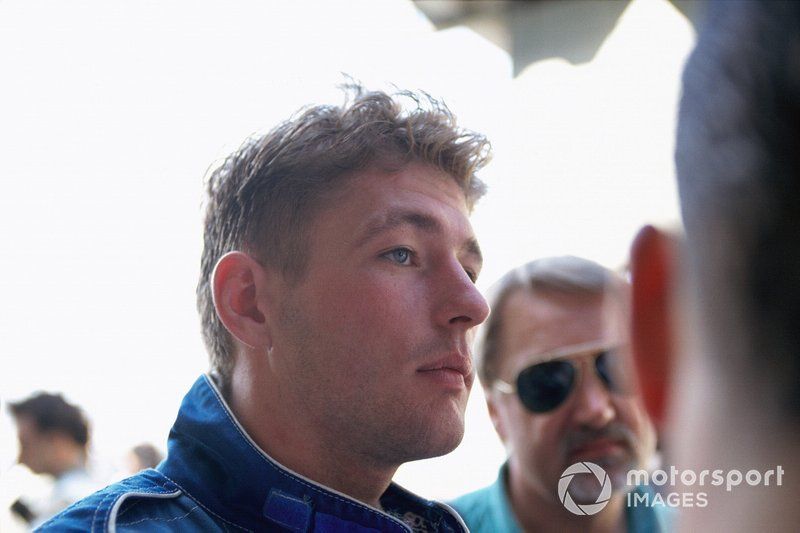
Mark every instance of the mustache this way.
pixel 583 436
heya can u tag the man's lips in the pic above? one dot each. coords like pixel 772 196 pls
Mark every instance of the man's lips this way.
pixel 454 369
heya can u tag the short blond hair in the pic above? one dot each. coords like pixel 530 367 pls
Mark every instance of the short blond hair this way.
pixel 262 197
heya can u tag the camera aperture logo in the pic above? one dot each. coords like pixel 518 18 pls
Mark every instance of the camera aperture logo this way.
pixel 582 468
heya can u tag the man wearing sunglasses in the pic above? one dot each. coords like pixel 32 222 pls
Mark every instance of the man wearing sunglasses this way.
pixel 554 361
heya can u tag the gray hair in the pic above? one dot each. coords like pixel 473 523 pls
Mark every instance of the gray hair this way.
pixel 562 275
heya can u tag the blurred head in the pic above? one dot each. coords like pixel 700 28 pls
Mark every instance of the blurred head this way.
pixel 558 334
pixel 739 178
pixel 142 457
pixel 53 434
pixel 739 181
pixel 262 200
pixel 723 309
pixel 341 261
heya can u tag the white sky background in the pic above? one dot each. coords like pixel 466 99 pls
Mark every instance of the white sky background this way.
pixel 111 113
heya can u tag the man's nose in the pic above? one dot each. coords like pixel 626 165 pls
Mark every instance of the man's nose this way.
pixel 461 304
pixel 593 403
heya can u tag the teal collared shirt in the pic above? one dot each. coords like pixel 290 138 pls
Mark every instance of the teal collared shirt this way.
pixel 488 510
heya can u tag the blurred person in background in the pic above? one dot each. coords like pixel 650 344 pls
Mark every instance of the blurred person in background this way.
pixel 142 457
pixel 337 294
pixel 554 361
pixel 53 440
pixel 717 320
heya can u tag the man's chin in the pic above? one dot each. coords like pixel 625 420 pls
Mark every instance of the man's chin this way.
pixel 432 433
pixel 444 440
pixel 437 451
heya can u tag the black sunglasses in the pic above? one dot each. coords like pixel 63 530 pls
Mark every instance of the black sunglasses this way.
pixel 544 386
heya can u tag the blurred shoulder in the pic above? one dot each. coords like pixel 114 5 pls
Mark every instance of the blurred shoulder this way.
pixel 477 509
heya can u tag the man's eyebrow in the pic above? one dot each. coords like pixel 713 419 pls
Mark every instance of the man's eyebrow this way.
pixel 473 248
pixel 428 224
pixel 396 218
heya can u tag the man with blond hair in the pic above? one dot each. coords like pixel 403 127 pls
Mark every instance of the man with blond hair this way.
pixel 336 295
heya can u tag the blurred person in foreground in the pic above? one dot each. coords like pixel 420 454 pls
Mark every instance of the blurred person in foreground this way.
pixel 554 361
pixel 53 439
pixel 336 295
pixel 718 337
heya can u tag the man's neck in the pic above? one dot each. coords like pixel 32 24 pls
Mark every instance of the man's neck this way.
pixel 534 512
pixel 296 443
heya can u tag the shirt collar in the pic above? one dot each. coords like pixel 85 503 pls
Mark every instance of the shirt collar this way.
pixel 213 459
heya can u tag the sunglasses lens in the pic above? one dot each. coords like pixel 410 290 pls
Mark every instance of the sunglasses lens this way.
pixel 545 386
pixel 609 371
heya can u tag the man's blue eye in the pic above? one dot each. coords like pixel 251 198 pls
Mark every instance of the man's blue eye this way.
pixel 400 255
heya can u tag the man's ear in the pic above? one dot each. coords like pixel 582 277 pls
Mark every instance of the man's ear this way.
pixel 653 273
pixel 239 286
pixel 497 422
